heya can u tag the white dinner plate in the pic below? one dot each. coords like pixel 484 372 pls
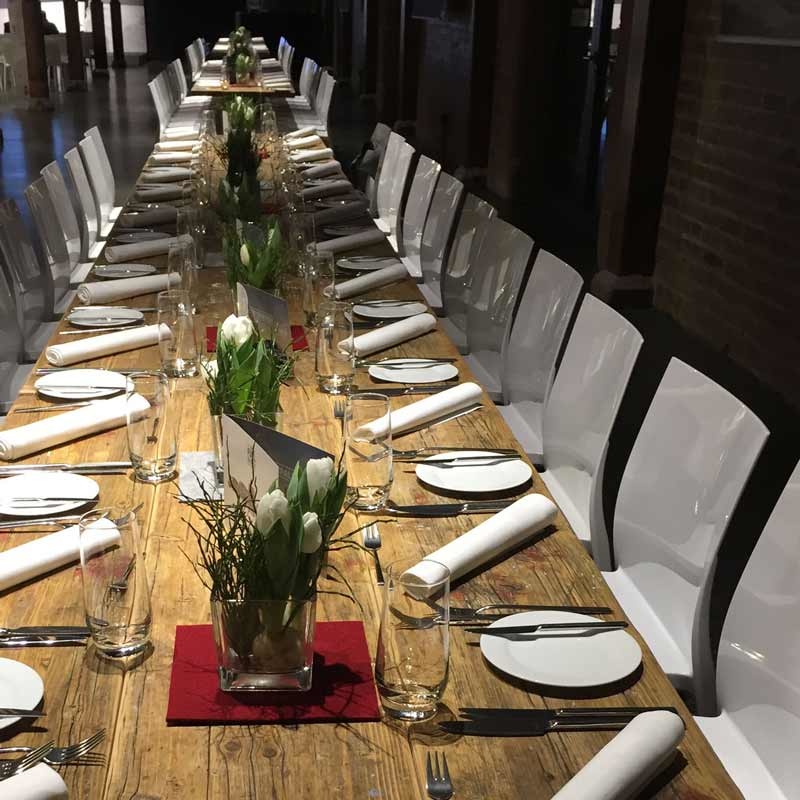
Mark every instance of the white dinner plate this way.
pixel 140 236
pixel 109 317
pixel 553 659
pixel 46 484
pixel 79 384
pixel 431 374
pixel 486 475
pixel 367 266
pixel 20 687
pixel 391 310
pixel 124 270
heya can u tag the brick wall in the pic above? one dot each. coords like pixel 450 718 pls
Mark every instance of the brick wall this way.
pixel 728 255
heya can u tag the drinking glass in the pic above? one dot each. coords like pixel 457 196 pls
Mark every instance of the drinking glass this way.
pixel 180 261
pixel 116 597
pixel 318 283
pixel 413 642
pixel 190 223
pixel 368 456
pixel 176 339
pixel 335 365
pixel 152 443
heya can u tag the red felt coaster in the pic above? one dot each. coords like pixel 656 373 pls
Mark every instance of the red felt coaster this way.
pixel 299 341
pixel 211 338
pixel 343 689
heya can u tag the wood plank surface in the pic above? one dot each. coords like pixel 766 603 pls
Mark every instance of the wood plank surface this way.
pixel 149 761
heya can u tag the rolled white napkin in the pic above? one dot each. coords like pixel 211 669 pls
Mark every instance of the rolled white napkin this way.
pixel 300 133
pixel 166 175
pixel 42 555
pixel 38 783
pixel 326 170
pixel 62 355
pixel 178 133
pixel 372 280
pixel 319 154
pixel 327 189
pixel 153 216
pixel 629 761
pixel 150 194
pixel 130 252
pixel 171 157
pixel 397 332
pixel 344 243
pixel 59 428
pixel 95 293
pixel 427 409
pixel 301 142
pixel 341 213
pixel 179 144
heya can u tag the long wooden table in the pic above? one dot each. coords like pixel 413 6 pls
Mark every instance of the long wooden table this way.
pixel 150 761
pixel 210 79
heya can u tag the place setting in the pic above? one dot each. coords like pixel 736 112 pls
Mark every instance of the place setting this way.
pixel 109 271
pixel 106 316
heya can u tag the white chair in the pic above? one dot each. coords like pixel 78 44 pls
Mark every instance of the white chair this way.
pixel 579 414
pixel 378 141
pixel 107 212
pixel 12 371
pixel 67 221
pixel 301 116
pixel 689 464
pixel 500 271
pixel 53 245
pixel 91 245
pixel 436 238
pixel 386 180
pixel 55 48
pixel 107 170
pixel 473 222
pixel 758 666
pixel 390 201
pixel 529 363
pixel 415 214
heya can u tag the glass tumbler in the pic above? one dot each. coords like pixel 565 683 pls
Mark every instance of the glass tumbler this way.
pixel 335 363
pixel 411 663
pixel 116 597
pixel 190 223
pixel 368 450
pixel 152 443
pixel 181 262
pixel 318 283
pixel 176 339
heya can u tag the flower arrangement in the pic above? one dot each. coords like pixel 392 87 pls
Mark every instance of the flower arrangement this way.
pixel 244 66
pixel 242 202
pixel 241 112
pixel 246 377
pixel 258 264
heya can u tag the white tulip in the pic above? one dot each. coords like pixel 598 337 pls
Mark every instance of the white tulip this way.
pixel 318 475
pixel 236 330
pixel 312 533
pixel 272 507
pixel 244 255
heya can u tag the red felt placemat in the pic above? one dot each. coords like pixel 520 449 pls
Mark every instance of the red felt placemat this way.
pixel 343 688
pixel 299 340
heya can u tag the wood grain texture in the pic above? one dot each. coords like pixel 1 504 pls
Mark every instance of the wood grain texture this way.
pixel 147 760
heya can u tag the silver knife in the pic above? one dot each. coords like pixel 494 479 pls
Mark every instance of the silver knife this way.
pixel 47 409
pixel 511 630
pixel 21 712
pixel 462 461
pixel 45 630
pixel 111 329
pixel 396 391
pixel 445 509
pixel 89 467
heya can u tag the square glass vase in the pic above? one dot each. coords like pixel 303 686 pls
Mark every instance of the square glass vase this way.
pixel 264 646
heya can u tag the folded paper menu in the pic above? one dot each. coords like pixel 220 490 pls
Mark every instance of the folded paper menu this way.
pixel 62 355
pixel 319 154
pixel 43 555
pixel 130 252
pixel 152 216
pixel 327 189
pixel 59 428
pixel 38 783
pixel 150 194
pixel 629 761
pixel 372 280
pixel 95 293
pixel 344 243
pixel 396 333
pixel 328 169
pixel 427 409
pixel 502 532
pixel 341 213
pixel 166 174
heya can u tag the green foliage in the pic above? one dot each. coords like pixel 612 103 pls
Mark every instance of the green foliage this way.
pixel 264 265
pixel 242 202
pixel 241 112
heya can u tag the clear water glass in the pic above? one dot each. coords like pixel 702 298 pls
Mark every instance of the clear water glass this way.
pixel 116 596
pixel 190 223
pixel 411 663
pixel 318 283
pixel 368 457
pixel 176 339
pixel 335 363
pixel 152 440
pixel 181 262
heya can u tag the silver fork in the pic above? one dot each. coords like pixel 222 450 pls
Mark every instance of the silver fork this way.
pixel 56 756
pixel 34 755
pixel 371 537
pixel 339 407
pixel 421 451
pixel 437 781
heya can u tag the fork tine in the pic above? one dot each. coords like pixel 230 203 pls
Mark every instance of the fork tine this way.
pixel 445 770
pixel 429 770
pixel 33 758
pixel 438 768
pixel 83 747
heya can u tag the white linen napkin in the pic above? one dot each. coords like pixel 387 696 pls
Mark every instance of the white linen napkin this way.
pixel 171 157
pixel 177 133
pixel 302 142
pixel 644 747
pixel 372 280
pixel 42 555
pixel 389 336
pixel 179 144
pixel 123 288
pixel 312 155
pixel 326 170
pixel 341 213
pixel 62 355
pixel 504 531
pixel 291 137
pixel 427 409
pixel 38 783
pixel 344 243
pixel 59 428
pixel 130 252
pixel 153 216
pixel 327 189
pixel 166 175
pixel 150 194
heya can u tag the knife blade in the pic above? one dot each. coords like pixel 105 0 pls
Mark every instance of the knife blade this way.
pixel 511 630
pixel 397 391
pixel 558 713
pixel 89 466
pixel 45 630
pixel 444 509
pixel 21 712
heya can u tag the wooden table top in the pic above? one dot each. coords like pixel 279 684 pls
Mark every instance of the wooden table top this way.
pixel 150 761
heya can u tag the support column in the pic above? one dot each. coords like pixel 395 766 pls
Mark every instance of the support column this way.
pixel 116 35
pixel 30 63
pixel 390 28
pixel 76 76
pixel 99 39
